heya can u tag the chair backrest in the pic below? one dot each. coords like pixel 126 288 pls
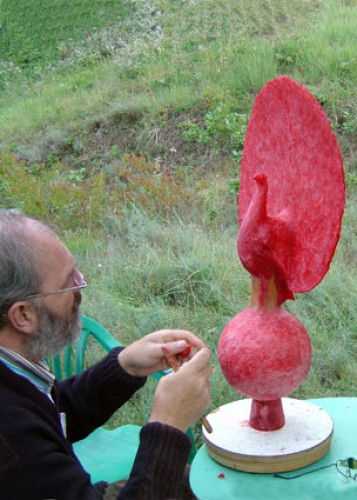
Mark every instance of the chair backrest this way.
pixel 72 359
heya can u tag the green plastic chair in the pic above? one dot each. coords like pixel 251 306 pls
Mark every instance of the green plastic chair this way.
pixel 106 454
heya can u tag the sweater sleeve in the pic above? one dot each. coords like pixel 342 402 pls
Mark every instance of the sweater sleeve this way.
pixel 91 397
pixel 159 464
pixel 36 461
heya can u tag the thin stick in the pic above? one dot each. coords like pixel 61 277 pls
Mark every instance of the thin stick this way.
pixel 172 362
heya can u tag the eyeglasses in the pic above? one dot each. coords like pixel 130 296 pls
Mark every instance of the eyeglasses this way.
pixel 79 281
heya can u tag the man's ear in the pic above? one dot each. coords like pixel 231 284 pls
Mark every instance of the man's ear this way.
pixel 23 317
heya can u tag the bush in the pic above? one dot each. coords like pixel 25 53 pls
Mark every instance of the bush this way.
pixel 46 193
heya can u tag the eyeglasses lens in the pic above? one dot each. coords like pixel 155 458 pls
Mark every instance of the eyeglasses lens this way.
pixel 79 279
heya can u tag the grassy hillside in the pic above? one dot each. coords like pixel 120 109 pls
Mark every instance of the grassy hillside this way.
pixel 170 56
pixel 35 34
pixel 128 135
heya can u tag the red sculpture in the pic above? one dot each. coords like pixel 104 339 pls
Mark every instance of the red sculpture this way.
pixel 291 203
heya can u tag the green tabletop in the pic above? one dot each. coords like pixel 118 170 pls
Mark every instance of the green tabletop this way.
pixel 213 481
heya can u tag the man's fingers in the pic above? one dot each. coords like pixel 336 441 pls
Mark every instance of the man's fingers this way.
pixel 172 336
pixel 200 360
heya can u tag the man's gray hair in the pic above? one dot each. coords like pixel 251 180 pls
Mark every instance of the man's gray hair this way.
pixel 19 265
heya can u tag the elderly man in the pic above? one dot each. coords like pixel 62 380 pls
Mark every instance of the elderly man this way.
pixel 40 296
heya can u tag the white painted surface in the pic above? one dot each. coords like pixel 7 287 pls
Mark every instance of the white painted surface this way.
pixel 306 426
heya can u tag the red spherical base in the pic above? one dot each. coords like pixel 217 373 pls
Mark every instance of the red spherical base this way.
pixel 265 354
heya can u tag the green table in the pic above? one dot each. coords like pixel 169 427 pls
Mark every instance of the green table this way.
pixel 213 481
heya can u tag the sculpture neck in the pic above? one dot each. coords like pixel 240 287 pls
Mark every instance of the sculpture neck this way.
pixel 264 293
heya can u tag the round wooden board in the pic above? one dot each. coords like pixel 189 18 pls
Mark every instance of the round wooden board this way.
pixel 304 439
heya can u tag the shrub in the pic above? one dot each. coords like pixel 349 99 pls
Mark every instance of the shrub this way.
pixel 223 129
pixel 154 186
pixel 45 192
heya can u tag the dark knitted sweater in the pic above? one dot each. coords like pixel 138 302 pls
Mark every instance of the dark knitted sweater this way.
pixel 37 461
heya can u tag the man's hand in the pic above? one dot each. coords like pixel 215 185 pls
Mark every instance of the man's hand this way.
pixel 182 397
pixel 145 356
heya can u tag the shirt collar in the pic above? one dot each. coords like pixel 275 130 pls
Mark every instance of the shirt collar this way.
pixel 37 373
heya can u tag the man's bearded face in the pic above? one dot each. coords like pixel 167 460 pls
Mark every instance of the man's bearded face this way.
pixel 55 331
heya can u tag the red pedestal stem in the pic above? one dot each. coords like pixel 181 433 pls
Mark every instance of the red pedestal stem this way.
pixel 266 415
pixel 265 353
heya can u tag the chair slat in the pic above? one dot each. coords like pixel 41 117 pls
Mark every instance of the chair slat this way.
pixel 81 351
pixel 68 361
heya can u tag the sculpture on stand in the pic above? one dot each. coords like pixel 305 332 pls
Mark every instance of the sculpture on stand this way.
pixel 291 203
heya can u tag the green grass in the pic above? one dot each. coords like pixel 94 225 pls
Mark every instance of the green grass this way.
pixel 181 52
pixel 93 120
pixel 36 34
